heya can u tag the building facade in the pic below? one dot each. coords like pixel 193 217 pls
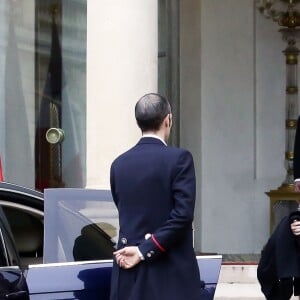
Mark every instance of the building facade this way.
pixel 219 62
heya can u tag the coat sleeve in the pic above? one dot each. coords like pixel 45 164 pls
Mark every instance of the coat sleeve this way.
pixel 297 152
pixel 181 216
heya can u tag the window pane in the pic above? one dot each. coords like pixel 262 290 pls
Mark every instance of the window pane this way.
pixel 43 85
pixel 28 232
pixel 17 96
pixel 80 224
pixel 61 77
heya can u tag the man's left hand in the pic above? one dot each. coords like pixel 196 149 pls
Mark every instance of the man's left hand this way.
pixel 127 257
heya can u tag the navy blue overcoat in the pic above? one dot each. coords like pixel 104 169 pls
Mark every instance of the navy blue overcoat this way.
pixel 153 187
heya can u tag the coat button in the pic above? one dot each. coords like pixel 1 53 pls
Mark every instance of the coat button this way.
pixel 149 254
pixel 124 241
pixel 147 236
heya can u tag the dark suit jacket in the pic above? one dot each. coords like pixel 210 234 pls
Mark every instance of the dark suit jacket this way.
pixel 296 162
pixel 280 258
pixel 153 187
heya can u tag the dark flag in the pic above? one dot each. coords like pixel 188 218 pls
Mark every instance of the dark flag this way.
pixel 48 156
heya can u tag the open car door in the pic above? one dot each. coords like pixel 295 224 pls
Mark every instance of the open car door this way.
pixel 80 227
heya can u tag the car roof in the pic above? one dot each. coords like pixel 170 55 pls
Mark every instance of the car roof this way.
pixel 18 189
pixel 21 195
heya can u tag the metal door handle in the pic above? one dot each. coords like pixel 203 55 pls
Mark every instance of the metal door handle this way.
pixel 55 135
pixel 17 295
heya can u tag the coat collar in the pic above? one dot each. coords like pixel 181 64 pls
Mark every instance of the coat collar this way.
pixel 151 140
pixel 154 136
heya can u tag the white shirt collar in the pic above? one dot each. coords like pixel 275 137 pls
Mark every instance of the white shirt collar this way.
pixel 154 136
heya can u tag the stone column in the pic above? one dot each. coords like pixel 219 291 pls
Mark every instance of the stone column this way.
pixel 121 67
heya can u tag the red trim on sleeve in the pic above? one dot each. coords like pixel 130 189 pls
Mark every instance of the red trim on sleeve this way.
pixel 158 245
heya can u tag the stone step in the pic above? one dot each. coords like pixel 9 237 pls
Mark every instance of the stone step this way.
pixel 239 282
pixel 240 291
pixel 238 273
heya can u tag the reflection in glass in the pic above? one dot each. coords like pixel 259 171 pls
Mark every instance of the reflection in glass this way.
pixel 93 244
pixel 61 100
pixel 17 91
pixel 80 224
pixel 29 30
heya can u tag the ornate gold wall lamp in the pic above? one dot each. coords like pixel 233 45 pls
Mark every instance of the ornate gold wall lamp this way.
pixel 286 14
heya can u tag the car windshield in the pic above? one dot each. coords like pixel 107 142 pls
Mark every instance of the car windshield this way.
pixel 80 224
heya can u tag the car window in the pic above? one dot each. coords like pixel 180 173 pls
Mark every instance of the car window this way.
pixel 80 224
pixel 28 231
pixel 8 252
pixel 3 254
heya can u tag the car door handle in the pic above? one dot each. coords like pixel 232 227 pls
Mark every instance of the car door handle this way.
pixel 16 295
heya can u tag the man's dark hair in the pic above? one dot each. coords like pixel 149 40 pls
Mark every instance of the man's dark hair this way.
pixel 151 110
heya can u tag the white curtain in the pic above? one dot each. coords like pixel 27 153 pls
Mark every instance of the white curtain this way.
pixel 17 92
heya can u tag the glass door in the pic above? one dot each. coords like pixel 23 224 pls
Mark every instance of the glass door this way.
pixel 61 84
pixel 43 92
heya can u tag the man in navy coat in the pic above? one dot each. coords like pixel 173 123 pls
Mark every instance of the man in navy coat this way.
pixel 153 187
